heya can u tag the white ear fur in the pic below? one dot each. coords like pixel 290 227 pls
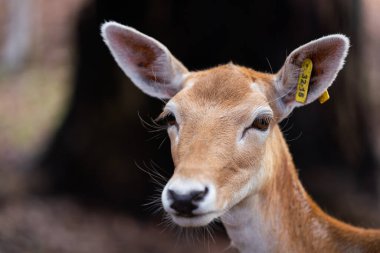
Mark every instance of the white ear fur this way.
pixel 327 54
pixel 147 62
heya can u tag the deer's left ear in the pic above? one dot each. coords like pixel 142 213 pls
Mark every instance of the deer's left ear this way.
pixel 327 55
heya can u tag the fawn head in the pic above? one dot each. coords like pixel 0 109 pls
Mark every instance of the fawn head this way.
pixel 221 121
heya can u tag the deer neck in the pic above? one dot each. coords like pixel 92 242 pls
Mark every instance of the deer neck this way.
pixel 280 216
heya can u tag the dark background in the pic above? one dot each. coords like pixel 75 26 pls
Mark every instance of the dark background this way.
pixel 90 156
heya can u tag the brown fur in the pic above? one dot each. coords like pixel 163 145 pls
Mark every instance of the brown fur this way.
pixel 221 99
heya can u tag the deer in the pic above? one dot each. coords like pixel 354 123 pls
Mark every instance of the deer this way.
pixel 231 160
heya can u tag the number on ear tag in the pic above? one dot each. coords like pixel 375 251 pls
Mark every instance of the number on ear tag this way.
pixel 304 80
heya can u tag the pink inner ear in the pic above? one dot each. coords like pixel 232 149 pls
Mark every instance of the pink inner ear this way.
pixel 326 57
pixel 139 54
pixel 147 62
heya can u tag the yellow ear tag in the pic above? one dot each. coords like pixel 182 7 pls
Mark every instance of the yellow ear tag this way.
pixel 324 97
pixel 304 80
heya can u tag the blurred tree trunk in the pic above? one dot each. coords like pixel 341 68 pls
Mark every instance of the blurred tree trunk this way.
pixel 370 38
pixel 93 153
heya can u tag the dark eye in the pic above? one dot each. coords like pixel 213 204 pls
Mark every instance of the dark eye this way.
pixel 261 123
pixel 168 119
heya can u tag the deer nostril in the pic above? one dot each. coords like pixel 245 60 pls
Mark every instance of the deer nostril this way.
pixel 199 195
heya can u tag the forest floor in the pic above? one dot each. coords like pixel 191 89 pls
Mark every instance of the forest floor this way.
pixel 63 226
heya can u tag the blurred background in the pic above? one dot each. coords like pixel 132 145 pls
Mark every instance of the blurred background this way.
pixel 71 139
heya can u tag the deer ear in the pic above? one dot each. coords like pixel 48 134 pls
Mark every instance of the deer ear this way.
pixel 327 55
pixel 147 62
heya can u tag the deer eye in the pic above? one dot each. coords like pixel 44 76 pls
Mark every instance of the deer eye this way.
pixel 261 123
pixel 168 119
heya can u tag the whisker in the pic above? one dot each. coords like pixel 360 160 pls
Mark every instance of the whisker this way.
pixel 162 142
pixel 154 204
pixel 152 126
pixel 152 176
pixel 296 138
pixel 286 131
pixel 270 66
pixel 210 231
pixel 161 171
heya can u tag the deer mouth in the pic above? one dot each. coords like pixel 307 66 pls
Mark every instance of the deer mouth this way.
pixel 194 220
pixel 186 215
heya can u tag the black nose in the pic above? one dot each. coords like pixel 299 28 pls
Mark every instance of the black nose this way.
pixel 185 204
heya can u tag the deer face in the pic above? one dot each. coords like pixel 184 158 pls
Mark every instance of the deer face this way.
pixel 220 121
pixel 218 127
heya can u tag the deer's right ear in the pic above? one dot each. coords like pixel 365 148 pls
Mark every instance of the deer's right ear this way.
pixel 147 62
